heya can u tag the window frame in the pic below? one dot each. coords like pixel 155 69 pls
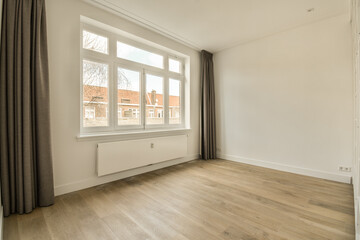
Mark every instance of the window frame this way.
pixel 99 33
pixel 181 65
pixel 98 128
pixel 152 126
pixel 118 127
pixel 114 63
pixel 182 100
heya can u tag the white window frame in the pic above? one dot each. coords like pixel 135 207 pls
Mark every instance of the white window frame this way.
pixel 114 62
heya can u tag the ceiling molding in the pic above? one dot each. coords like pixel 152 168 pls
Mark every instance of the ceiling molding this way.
pixel 108 6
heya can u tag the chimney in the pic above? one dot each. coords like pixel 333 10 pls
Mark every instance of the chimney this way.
pixel 153 97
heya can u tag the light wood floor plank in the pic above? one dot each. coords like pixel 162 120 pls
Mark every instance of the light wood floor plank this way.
pixel 11 228
pixel 33 226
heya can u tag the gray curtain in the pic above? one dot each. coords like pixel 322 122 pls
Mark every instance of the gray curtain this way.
pixel 208 124
pixel 25 147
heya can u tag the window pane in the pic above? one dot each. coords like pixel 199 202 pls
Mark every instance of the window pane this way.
pixel 95 42
pixel 174 101
pixel 154 99
pixel 128 97
pixel 138 55
pixel 174 65
pixel 95 94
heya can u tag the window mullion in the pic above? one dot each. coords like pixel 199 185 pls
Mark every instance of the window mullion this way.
pixel 113 85
pixel 143 99
pixel 113 97
pixel 182 101
pixel 166 91
pixel 166 103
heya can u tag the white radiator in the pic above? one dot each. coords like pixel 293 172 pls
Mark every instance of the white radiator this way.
pixel 119 156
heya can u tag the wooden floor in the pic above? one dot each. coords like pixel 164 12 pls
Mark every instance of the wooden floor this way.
pixel 200 200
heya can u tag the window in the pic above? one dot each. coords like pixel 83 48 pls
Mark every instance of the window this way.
pixel 174 101
pixel 139 55
pixel 128 85
pixel 154 98
pixel 95 92
pixel 174 65
pixel 160 113
pixel 151 113
pixel 95 42
pixel 134 112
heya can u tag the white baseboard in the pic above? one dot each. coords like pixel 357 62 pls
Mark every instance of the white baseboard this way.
pixel 288 168
pixel 94 181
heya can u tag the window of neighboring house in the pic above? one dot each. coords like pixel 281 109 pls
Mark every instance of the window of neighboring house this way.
pixel 160 113
pixel 151 113
pixel 134 112
pixel 119 112
pixel 143 84
pixel 89 113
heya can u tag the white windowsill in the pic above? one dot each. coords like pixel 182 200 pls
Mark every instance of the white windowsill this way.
pixel 132 135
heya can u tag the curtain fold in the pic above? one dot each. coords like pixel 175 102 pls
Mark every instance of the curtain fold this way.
pixel 25 146
pixel 208 123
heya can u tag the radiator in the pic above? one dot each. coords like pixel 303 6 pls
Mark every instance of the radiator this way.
pixel 119 156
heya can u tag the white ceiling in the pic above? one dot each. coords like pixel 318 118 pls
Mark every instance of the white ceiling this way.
pixel 215 25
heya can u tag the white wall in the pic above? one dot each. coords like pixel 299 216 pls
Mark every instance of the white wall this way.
pixel 286 101
pixel 74 161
